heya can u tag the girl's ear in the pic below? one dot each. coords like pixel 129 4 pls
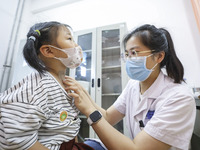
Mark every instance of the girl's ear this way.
pixel 47 51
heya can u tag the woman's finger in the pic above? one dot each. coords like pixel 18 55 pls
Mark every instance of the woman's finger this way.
pixel 74 95
pixel 71 82
pixel 73 88
pixel 69 78
pixel 68 81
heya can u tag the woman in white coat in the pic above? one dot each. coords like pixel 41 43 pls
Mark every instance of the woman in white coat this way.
pixel 159 109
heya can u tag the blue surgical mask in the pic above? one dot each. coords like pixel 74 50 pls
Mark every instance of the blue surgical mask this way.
pixel 136 68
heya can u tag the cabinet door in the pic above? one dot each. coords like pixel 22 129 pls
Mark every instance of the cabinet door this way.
pixel 109 66
pixel 85 73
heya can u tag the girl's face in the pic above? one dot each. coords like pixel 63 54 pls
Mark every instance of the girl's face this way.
pixel 64 41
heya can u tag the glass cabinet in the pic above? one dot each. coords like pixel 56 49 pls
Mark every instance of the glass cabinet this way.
pixel 102 72
pixel 110 66
pixel 85 73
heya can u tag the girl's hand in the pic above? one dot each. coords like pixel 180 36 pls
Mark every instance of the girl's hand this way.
pixel 81 97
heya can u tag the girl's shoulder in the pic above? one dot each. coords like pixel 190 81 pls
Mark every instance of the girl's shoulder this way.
pixel 23 90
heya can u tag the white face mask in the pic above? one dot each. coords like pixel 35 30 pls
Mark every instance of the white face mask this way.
pixel 74 56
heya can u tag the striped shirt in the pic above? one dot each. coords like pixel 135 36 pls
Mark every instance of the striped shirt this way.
pixel 37 109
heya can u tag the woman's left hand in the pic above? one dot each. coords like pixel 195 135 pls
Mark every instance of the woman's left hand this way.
pixel 81 97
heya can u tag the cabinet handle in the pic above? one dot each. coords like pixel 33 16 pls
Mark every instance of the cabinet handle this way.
pixel 98 82
pixel 92 82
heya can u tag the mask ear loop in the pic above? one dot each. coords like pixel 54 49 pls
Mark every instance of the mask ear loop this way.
pixel 60 50
pixel 123 58
pixel 56 48
pixel 154 66
pixel 146 63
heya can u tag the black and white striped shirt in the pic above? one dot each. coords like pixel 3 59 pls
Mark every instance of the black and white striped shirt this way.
pixel 37 109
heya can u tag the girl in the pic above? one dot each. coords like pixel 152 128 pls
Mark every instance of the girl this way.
pixel 159 109
pixel 37 113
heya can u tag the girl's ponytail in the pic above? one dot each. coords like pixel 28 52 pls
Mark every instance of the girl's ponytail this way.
pixel 31 52
pixel 38 35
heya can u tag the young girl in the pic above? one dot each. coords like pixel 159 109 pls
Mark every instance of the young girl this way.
pixel 37 113
pixel 160 110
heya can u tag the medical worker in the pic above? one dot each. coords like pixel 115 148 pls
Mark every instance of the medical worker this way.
pixel 159 109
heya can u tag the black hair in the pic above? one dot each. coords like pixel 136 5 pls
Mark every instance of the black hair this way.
pixel 159 39
pixel 38 35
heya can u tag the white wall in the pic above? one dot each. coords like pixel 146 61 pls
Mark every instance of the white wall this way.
pixel 7 17
pixel 175 15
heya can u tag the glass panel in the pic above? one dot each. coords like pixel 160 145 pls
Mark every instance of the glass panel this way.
pixel 83 76
pixel 86 60
pixel 111 70
pixel 111 83
pixel 110 57
pixel 110 38
pixel 83 72
pixel 107 102
pixel 67 72
pixel 84 130
pixel 85 41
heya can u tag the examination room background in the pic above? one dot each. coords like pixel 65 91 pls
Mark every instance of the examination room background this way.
pixel 177 16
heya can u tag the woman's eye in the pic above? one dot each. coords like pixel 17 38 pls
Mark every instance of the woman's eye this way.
pixel 126 53
pixel 133 52
pixel 69 38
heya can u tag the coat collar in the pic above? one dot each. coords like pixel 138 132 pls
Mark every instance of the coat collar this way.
pixel 149 97
pixel 156 88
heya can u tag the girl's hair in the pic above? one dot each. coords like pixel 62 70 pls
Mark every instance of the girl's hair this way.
pixel 159 40
pixel 38 35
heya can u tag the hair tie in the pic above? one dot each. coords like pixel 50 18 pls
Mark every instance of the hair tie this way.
pixel 32 38
pixel 38 32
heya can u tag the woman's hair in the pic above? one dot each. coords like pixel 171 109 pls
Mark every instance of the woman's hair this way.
pixel 159 40
pixel 40 34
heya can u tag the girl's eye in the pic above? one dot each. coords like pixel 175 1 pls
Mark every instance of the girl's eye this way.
pixel 69 38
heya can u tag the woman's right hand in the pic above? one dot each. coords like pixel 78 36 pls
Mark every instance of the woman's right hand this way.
pixel 81 97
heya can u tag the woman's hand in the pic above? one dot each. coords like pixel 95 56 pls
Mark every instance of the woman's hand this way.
pixel 81 97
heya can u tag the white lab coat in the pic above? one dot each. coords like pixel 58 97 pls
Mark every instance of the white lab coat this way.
pixel 174 111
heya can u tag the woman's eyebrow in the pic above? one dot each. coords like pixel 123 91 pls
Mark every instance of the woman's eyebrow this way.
pixel 134 47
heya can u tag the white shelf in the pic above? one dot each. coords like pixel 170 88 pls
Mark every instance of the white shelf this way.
pixel 87 51
pixel 88 69
pixel 111 94
pixel 111 48
pixel 111 67
pixel 111 51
